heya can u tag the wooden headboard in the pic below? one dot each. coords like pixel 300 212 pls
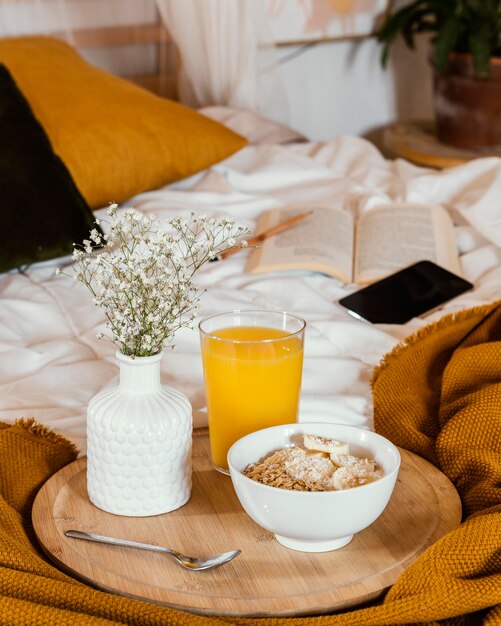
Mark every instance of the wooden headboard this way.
pixel 106 34
pixel 162 80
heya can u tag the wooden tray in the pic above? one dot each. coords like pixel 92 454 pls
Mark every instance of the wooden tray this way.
pixel 266 579
pixel 416 141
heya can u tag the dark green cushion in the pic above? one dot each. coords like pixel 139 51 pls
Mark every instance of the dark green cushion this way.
pixel 41 210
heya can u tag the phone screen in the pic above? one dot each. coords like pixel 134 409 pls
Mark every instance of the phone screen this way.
pixel 408 293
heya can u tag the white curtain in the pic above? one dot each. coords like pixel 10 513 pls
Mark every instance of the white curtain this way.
pixel 227 56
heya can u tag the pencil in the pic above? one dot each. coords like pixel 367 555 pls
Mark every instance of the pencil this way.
pixel 257 239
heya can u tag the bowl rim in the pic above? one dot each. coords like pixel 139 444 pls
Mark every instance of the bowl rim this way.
pixel 385 478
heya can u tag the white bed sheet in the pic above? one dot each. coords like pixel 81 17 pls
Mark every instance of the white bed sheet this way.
pixel 51 362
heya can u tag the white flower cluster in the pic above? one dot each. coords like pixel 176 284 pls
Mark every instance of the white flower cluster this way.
pixel 141 273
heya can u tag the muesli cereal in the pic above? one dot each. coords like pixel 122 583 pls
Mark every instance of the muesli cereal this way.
pixel 323 465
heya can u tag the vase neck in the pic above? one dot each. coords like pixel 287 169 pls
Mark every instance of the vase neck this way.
pixel 141 374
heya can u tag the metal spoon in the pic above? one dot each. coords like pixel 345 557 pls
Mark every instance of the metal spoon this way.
pixel 189 562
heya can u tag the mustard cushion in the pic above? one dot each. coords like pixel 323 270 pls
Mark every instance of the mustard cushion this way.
pixel 115 138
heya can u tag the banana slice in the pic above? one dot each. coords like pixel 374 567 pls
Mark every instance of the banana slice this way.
pixel 351 476
pixel 347 460
pixel 309 466
pixel 324 444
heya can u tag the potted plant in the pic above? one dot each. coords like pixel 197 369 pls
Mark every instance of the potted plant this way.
pixel 466 60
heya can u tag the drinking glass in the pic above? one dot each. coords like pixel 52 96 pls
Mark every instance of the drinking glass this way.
pixel 253 362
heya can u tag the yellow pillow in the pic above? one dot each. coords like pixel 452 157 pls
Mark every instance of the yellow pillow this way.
pixel 115 138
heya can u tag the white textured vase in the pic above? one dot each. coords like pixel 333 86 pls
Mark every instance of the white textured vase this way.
pixel 139 436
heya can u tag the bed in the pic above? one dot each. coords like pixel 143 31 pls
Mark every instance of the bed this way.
pixel 52 363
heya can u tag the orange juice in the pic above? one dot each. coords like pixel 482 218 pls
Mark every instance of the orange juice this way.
pixel 252 381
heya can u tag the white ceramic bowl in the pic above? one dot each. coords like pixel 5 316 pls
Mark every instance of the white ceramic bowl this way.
pixel 313 521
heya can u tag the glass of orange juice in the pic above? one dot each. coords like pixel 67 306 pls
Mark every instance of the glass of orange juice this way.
pixel 253 362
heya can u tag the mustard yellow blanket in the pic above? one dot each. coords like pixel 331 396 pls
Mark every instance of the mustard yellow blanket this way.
pixel 439 395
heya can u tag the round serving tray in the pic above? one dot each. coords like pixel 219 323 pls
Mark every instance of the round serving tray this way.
pixel 267 578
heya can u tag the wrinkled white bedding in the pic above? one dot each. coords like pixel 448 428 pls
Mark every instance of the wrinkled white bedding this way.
pixel 51 362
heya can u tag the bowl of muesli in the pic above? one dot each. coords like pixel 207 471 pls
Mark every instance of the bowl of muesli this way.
pixel 314 484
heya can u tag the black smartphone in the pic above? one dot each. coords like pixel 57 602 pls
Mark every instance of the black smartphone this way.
pixel 405 294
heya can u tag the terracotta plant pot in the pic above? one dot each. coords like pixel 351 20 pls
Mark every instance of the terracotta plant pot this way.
pixel 468 108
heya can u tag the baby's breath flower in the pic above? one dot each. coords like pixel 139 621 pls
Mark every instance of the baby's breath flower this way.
pixel 142 273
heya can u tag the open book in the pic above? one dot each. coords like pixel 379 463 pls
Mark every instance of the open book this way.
pixel 332 241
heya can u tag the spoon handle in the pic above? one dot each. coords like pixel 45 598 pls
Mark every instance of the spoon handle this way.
pixel 127 543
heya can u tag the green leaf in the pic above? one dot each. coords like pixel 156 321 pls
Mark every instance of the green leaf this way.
pixel 445 42
pixel 481 49
pixel 406 22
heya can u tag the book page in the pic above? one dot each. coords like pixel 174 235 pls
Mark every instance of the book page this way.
pixel 394 236
pixel 321 243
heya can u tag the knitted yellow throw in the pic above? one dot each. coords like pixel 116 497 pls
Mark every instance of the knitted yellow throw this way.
pixel 438 395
